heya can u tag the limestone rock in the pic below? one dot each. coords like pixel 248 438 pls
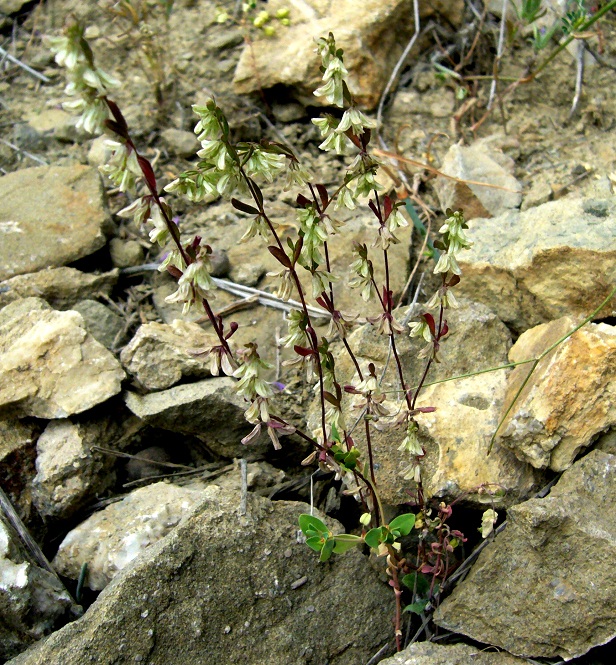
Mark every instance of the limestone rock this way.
pixel 50 366
pixel 111 538
pixel 160 354
pixel 209 409
pixel 227 588
pixel 17 456
pixel 180 142
pixel 60 287
pixel 51 216
pixel 101 322
pixel 373 35
pixel 569 399
pixel 456 436
pixel 428 653
pixel 535 266
pixel 125 253
pixel 69 471
pixel 32 601
pixel 478 164
pixel 546 586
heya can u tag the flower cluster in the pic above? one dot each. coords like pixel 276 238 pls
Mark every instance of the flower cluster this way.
pixel 335 91
pixel 363 270
pixel 195 282
pixel 85 81
pixel 454 239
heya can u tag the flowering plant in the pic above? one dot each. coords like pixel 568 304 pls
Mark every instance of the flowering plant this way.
pixel 237 171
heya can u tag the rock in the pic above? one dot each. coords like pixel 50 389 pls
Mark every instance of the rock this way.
pixel 535 266
pixel 32 601
pixel 144 463
pixel 546 586
pixel 607 442
pixel 125 253
pixel 101 322
pixel 225 588
pixel 160 354
pixel 373 35
pixel 428 653
pixel 457 435
pixel 478 164
pixel 99 151
pixel 60 287
pixel 111 538
pixel 50 366
pixel 180 142
pixel 70 472
pixel 11 6
pixel 209 409
pixel 569 399
pixel 51 216
pixel 17 456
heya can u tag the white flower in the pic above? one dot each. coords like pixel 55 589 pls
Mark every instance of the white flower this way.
pixel 396 220
pixel 420 329
pixel 447 263
pixel 173 258
pixel 296 321
pixel 265 164
pixel 215 152
pixel 333 91
pixel 354 118
pixel 139 210
pixel 335 141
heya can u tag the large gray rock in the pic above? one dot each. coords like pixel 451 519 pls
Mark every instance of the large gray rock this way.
pixel 50 366
pixel 546 586
pixel 160 354
pixel 535 266
pixel 372 33
pixel 456 436
pixel 50 216
pixel 227 588
pixel 32 601
pixel 111 538
pixel 209 409
pixel 477 163
pixel 70 472
pixel 428 653
pixel 552 421
pixel 60 287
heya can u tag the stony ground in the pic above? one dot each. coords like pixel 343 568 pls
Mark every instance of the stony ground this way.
pixel 541 154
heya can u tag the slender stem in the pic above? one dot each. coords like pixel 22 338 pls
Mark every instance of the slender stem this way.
pixel 353 358
pixel 369 446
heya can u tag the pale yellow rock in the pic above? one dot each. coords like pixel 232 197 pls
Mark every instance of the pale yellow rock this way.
pixel 50 366
pixel 569 399
pixel 372 33
pixel 160 354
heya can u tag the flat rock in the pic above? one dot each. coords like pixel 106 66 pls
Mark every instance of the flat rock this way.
pixel 32 600
pixel 226 588
pixel 535 266
pixel 569 399
pixel 111 538
pixel 546 586
pixel 160 354
pixel 209 409
pixel 373 35
pixel 50 366
pixel 428 653
pixel 70 471
pixel 473 164
pixel 60 287
pixel 456 436
pixel 51 216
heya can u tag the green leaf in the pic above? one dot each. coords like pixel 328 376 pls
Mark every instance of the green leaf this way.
pixel 315 543
pixel 328 548
pixel 403 524
pixel 309 523
pixel 416 608
pixel 345 542
pixel 421 588
pixel 373 537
